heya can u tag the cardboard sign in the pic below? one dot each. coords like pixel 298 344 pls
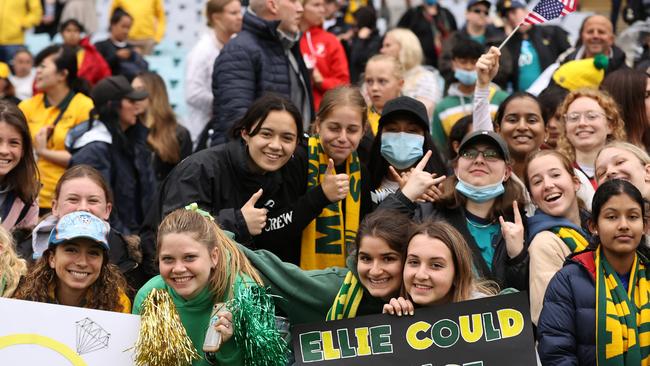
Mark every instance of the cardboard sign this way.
pixel 494 331
pixel 33 333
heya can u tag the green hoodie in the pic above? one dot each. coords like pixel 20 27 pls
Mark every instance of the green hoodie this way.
pixel 306 296
pixel 195 315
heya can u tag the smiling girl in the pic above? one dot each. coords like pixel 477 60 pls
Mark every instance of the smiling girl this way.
pixel 340 125
pixel 74 270
pixel 622 160
pixel 437 270
pixel 558 227
pixel 594 307
pixel 200 266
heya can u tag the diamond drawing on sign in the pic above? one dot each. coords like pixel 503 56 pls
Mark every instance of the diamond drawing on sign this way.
pixel 90 336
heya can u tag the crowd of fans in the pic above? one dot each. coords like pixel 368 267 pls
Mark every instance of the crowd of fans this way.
pixel 352 171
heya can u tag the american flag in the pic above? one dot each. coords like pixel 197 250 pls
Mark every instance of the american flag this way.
pixel 546 10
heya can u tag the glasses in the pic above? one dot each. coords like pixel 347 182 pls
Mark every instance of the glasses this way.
pixel 590 116
pixel 488 154
pixel 479 11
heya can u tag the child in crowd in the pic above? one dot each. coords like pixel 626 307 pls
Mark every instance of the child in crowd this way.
pixel 340 124
pixel 24 73
pixel 558 227
pixel 595 307
pixel 383 81
pixel 74 269
pixel 19 176
pixel 437 270
pixel 200 266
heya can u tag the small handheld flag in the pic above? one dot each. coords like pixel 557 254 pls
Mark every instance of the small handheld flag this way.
pixel 544 11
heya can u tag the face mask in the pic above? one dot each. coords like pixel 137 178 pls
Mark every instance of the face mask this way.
pixel 401 149
pixel 480 194
pixel 466 77
pixel 431 2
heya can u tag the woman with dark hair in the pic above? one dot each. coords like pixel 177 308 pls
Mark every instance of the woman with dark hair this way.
pixel 169 141
pixel 256 185
pixel 402 140
pixel 120 55
pixel 114 142
pixel 631 91
pixel 595 306
pixel 59 106
pixel 19 175
pixel 481 201
pixel 364 43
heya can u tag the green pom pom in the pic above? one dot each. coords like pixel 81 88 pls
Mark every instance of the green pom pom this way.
pixel 601 61
pixel 255 331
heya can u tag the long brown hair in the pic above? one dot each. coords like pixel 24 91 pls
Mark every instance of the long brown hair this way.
pixel 23 179
pixel 160 119
pixel 206 231
pixel 465 282
pixel 104 294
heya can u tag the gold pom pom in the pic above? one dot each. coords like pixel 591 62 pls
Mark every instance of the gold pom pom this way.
pixel 163 340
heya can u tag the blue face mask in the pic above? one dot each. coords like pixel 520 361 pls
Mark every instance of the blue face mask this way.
pixel 466 77
pixel 480 194
pixel 401 149
pixel 431 2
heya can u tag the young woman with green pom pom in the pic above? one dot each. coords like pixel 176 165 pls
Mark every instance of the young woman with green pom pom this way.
pixel 200 267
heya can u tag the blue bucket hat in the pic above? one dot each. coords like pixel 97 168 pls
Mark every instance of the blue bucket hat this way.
pixel 80 224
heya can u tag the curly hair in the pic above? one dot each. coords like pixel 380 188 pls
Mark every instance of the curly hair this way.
pixel 208 233
pixel 608 105
pixel 12 267
pixel 103 294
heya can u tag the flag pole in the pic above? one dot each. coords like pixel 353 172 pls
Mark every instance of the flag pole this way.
pixel 510 36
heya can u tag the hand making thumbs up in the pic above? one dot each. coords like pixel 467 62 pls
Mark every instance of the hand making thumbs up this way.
pixel 335 186
pixel 255 217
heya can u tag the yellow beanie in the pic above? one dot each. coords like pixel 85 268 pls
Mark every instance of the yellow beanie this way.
pixel 4 70
pixel 585 73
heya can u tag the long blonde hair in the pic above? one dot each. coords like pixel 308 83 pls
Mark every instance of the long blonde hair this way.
pixel 12 267
pixel 160 119
pixel 206 231
pixel 410 52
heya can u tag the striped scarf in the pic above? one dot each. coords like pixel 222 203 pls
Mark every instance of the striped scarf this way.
pixel 622 318
pixel 325 241
pixel 571 237
pixel 347 300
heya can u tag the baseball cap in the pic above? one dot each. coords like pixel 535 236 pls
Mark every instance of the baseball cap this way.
pixel 115 88
pixel 504 5
pixel 487 137
pixel 80 224
pixel 471 3
pixel 405 105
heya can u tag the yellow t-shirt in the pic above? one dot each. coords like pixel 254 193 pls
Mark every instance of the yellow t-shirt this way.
pixel 148 18
pixel 38 116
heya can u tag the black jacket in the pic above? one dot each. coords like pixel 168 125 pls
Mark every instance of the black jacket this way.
pixel 549 41
pixel 251 64
pixel 124 159
pixel 415 20
pixel 507 272
pixel 161 169
pixel 360 50
pixel 130 67
pixel 219 180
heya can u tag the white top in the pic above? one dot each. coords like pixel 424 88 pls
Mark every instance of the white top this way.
pixel 198 83
pixel 422 83
pixel 24 85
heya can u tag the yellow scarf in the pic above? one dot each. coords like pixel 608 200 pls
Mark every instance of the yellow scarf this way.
pixel 622 317
pixel 325 241
pixel 347 300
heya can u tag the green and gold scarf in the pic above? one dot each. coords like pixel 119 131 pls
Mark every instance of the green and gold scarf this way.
pixel 326 239
pixel 347 300
pixel 622 318
pixel 571 237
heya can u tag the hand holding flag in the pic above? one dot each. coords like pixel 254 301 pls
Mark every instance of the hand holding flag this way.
pixel 544 11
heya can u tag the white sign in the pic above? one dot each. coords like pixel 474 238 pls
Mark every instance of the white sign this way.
pixel 33 333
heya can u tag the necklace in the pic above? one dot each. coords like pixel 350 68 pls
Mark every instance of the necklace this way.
pixel 479 226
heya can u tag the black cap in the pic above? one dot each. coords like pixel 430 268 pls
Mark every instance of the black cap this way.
pixel 471 3
pixel 405 105
pixel 115 88
pixel 504 5
pixel 488 137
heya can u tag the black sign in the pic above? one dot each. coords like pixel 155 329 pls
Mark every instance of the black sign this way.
pixel 493 331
